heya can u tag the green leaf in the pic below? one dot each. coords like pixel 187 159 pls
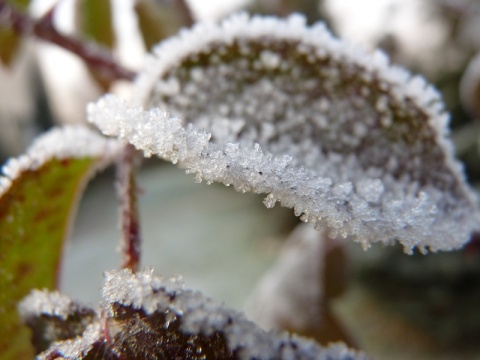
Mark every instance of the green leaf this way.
pixel 9 42
pixel 21 4
pixel 158 20
pixel 38 198
pixel 95 22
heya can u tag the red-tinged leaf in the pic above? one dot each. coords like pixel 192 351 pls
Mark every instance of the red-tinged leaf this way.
pixel 38 197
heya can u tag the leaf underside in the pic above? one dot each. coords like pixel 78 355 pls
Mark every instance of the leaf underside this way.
pixel 377 133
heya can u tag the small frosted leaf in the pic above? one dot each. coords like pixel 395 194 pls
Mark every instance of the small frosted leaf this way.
pixel 347 140
pixel 39 192
pixel 53 317
pixel 154 318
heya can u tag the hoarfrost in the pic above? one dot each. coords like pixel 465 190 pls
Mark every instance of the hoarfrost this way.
pixel 75 348
pixel 347 140
pixel 54 317
pixel 40 303
pixel 61 143
pixel 202 316
pixel 143 316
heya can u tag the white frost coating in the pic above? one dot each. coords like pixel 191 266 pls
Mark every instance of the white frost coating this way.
pixel 386 210
pixel 61 143
pixel 138 290
pixel 347 140
pixel 201 315
pixel 77 347
pixel 43 302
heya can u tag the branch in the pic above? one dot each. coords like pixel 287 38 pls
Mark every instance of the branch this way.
pixel 95 56
pixel 129 219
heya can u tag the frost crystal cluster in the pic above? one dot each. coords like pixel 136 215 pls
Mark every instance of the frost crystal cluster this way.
pixel 53 317
pixel 143 316
pixel 347 140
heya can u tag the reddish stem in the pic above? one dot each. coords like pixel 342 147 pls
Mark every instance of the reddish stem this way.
pixel 95 56
pixel 127 191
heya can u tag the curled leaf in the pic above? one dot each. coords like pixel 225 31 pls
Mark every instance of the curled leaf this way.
pixel 39 192
pixel 147 317
pixel 348 141
pixel 294 295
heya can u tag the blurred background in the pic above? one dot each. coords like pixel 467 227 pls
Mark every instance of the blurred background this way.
pixel 390 305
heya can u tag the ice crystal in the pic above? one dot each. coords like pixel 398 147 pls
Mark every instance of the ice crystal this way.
pixel 347 140
pixel 91 342
pixel 60 143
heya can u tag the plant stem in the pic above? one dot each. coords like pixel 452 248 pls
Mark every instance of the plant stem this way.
pixel 129 219
pixel 92 54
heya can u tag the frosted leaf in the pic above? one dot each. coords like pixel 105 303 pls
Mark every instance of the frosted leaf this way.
pixel 53 317
pixel 148 317
pixel 349 141
pixel 39 194
pixel 69 142
pixel 199 319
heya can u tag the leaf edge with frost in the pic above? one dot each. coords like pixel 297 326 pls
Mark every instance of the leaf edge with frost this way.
pixel 173 320
pixel 39 194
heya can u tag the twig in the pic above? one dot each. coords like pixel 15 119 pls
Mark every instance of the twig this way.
pixel 95 56
pixel 129 219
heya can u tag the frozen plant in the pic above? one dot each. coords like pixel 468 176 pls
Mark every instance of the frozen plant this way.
pixel 354 145
pixel 273 106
